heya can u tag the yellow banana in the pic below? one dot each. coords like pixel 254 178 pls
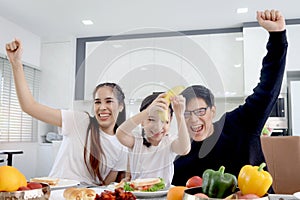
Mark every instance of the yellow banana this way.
pixel 163 115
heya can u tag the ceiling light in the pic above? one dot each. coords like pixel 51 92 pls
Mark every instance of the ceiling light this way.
pixel 87 22
pixel 237 65
pixel 117 46
pixel 239 39
pixel 242 10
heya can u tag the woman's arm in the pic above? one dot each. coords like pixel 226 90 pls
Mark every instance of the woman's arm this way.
pixel 111 177
pixel 182 145
pixel 26 100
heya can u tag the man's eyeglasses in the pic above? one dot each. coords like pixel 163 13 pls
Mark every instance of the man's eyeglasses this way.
pixel 198 112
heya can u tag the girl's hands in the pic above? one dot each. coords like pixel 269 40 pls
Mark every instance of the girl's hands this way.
pixel 159 104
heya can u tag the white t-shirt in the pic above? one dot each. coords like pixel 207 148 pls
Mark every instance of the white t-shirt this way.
pixel 153 161
pixel 69 162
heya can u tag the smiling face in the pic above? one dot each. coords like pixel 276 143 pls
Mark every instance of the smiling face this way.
pixel 200 127
pixel 155 129
pixel 106 108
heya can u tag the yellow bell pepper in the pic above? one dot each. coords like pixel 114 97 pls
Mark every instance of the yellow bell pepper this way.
pixel 254 180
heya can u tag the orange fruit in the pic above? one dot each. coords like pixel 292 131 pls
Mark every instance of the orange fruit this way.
pixel 11 179
pixel 176 193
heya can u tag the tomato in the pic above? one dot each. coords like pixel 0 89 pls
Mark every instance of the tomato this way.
pixel 195 181
pixel 201 195
pixel 34 185
pixel 146 187
pixel 247 196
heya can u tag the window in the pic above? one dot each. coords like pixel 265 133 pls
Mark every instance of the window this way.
pixel 16 125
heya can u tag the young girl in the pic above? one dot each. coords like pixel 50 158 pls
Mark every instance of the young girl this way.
pixel 152 153
pixel 90 151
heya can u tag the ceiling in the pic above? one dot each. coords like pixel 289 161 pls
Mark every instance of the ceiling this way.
pixel 59 19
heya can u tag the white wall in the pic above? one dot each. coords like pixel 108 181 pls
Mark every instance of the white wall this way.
pixel 57 91
pixel 56 61
pixel 26 162
pixel 31 42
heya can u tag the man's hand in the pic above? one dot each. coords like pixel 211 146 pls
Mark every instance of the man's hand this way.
pixel 178 103
pixel 14 51
pixel 272 20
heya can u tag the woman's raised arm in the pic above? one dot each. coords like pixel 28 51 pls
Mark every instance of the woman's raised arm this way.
pixel 28 104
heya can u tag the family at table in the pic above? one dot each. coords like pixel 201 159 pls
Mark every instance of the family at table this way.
pixel 103 147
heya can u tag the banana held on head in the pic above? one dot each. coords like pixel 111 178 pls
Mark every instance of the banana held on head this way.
pixel 163 115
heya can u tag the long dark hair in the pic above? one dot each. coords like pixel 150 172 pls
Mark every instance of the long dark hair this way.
pixel 94 158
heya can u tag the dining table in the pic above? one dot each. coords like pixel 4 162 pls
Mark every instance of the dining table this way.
pixel 57 194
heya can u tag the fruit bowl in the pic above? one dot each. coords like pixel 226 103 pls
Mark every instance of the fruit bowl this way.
pixel 34 194
pixel 189 194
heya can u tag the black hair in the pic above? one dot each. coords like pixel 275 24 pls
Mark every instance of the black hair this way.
pixel 149 99
pixel 199 91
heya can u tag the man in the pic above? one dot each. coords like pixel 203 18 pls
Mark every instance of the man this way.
pixel 234 140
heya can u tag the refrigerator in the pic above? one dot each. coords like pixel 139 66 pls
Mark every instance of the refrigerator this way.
pixel 294 95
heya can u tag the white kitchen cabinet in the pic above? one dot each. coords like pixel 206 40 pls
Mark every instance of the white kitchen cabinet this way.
pixel 226 52
pixel 255 40
pixel 295 107
pixel 214 60
pixel 293 60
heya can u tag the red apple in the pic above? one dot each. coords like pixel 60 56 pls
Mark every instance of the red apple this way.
pixel 34 185
pixel 22 188
pixel 195 181
pixel 201 195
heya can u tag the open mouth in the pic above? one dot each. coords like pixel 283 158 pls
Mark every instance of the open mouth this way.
pixel 156 134
pixel 103 116
pixel 197 128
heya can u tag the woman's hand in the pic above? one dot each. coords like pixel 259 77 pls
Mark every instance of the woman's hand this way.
pixel 272 20
pixel 14 52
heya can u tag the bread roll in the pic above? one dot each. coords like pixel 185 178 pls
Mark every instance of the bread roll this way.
pixel 79 194
pixel 72 193
pixel 88 194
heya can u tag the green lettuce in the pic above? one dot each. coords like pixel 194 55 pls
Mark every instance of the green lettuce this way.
pixel 127 187
pixel 157 186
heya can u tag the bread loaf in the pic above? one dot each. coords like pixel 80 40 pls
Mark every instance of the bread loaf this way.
pixel 79 194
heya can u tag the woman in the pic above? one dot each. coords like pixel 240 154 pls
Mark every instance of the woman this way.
pixel 90 151
pixel 234 140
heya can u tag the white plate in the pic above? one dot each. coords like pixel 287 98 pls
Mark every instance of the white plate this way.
pixel 159 193
pixel 59 194
pixel 64 183
pixel 297 195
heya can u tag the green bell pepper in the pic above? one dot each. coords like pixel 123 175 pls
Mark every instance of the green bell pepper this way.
pixel 217 184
